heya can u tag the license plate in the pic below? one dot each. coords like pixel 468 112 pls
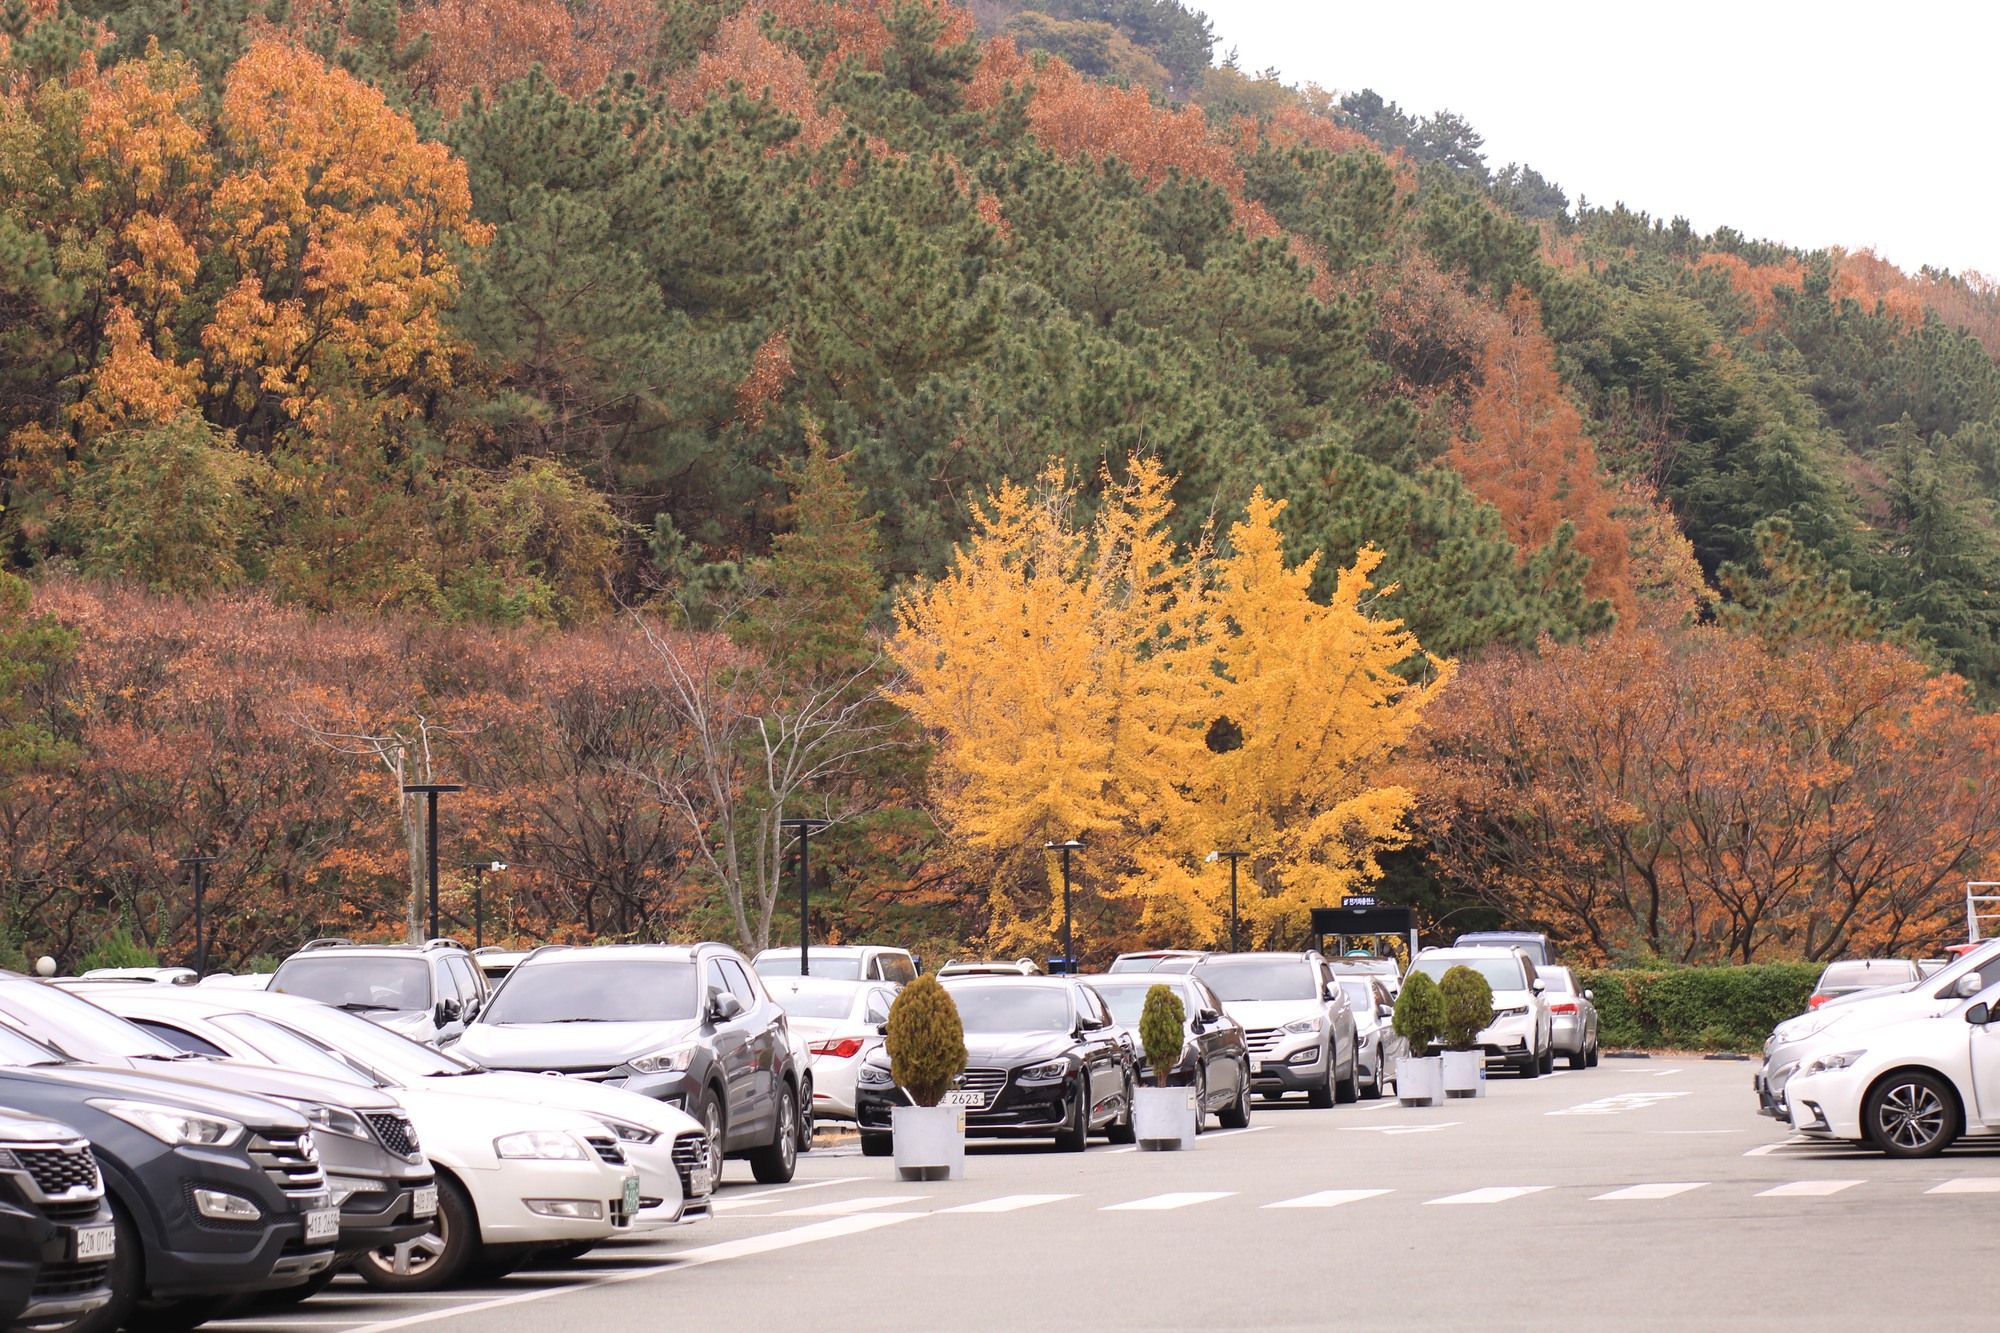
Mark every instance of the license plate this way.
pixel 424 1203
pixel 322 1224
pixel 1256 1066
pixel 701 1181
pixel 631 1195
pixel 963 1097
pixel 96 1242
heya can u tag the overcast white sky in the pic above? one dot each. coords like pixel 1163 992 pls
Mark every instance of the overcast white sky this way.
pixel 1826 124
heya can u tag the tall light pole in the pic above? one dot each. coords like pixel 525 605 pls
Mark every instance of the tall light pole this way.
pixel 200 865
pixel 805 827
pixel 1234 857
pixel 431 791
pixel 1072 845
pixel 480 869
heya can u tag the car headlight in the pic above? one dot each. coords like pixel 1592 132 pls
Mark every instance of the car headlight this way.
pixel 545 1145
pixel 670 1061
pixel 170 1124
pixel 874 1076
pixel 1820 1064
pixel 1303 1026
pixel 332 1119
pixel 1519 1011
pixel 628 1132
pixel 1046 1071
pixel 1808 1025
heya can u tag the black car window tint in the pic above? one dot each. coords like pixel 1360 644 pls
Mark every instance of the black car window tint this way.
pixel 466 983
pixel 739 983
pixel 186 1040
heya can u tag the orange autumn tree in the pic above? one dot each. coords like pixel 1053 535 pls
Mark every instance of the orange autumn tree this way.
pixel 1524 451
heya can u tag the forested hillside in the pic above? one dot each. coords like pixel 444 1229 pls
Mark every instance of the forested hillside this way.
pixel 439 383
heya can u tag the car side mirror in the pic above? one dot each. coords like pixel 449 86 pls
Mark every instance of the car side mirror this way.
pixel 723 1006
pixel 1385 1011
pixel 1968 986
pixel 1538 985
pixel 447 1012
pixel 1979 1013
pixel 1209 1016
pixel 1588 996
pixel 882 1028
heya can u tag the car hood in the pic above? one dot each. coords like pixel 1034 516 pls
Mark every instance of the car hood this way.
pixel 205 1076
pixel 1879 1012
pixel 1006 1049
pixel 104 1081
pixel 564 1094
pixel 538 1046
pixel 1272 1013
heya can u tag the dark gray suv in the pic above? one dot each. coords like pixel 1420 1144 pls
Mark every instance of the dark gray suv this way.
pixel 56 1233
pixel 687 1024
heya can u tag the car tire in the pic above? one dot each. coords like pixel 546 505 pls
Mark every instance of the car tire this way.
pixel 1581 1060
pixel 1200 1101
pixel 1530 1066
pixel 1594 1053
pixel 774 1163
pixel 1075 1136
pixel 1911 1113
pixel 1237 1114
pixel 878 1145
pixel 434 1259
pixel 1125 1129
pixel 1371 1091
pixel 1548 1059
pixel 713 1116
pixel 806 1113
pixel 1323 1096
pixel 1347 1090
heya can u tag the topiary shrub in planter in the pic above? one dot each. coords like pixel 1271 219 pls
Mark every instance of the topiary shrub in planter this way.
pixel 1164 1118
pixel 926 1045
pixel 1468 1011
pixel 1419 1019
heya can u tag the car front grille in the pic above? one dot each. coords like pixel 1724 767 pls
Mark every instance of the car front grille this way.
pixel 75 1210
pixel 57 1171
pixel 690 1152
pixel 71 1279
pixel 608 1149
pixel 290 1160
pixel 983 1080
pixel 1260 1040
pixel 398 1135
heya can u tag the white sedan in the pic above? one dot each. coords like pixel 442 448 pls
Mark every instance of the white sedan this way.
pixel 1910 1088
pixel 838 1023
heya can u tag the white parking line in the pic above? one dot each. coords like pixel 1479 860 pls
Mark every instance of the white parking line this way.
pixel 1231 1133
pixel 831 1229
pixel 1162 1202
pixel 1807 1189
pixel 1769 1148
pixel 1651 1191
pixel 1328 1199
pixel 1969 1185
pixel 726 1202
pixel 1665 1073
pixel 1491 1194
pixel 1007 1203
pixel 842 1207
pixel 1399 1129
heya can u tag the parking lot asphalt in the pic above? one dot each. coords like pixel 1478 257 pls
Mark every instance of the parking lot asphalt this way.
pixel 1642 1194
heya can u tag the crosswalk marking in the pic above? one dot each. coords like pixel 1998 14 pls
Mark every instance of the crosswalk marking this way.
pixel 1807 1189
pixel 1328 1199
pixel 1662 1191
pixel 1969 1185
pixel 842 1207
pixel 1009 1203
pixel 1491 1194
pixel 1162 1202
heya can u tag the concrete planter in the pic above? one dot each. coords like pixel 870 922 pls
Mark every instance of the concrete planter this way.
pixel 930 1142
pixel 1420 1080
pixel 1165 1119
pixel 1464 1073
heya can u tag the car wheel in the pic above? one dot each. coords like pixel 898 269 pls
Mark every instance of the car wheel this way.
pixel 1075 1136
pixel 1594 1052
pixel 1323 1096
pixel 1200 1101
pixel 878 1145
pixel 1372 1089
pixel 715 1124
pixel 1548 1059
pixel 774 1163
pixel 1237 1114
pixel 434 1259
pixel 1125 1129
pixel 1911 1114
pixel 1530 1066
pixel 1581 1060
pixel 806 1125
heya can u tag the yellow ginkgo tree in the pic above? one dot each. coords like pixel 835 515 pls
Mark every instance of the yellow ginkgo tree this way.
pixel 1091 680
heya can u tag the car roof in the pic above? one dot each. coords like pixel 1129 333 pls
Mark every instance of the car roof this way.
pixel 1009 979
pixel 1475 951
pixel 835 949
pixel 680 953
pixel 821 985
pixel 1131 978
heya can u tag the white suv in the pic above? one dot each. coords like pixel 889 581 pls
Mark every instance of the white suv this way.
pixel 1296 1022
pixel 841 962
pixel 1522 1036
pixel 426 992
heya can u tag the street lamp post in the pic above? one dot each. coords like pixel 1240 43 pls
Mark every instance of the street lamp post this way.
pixel 431 791
pixel 1234 857
pixel 480 869
pixel 200 865
pixel 805 827
pixel 1072 845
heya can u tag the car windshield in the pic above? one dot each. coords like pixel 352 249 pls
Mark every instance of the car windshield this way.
pixel 813 1004
pixel 1128 1002
pixel 1011 1008
pixel 1360 994
pixel 1500 973
pixel 357 984
pixel 834 967
pixel 18 1052
pixel 606 990
pixel 1866 972
pixel 380 1049
pixel 78 1028
pixel 288 1049
pixel 1267 979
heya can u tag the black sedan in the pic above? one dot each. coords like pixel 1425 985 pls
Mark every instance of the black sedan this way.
pixel 1214 1060
pixel 1044 1058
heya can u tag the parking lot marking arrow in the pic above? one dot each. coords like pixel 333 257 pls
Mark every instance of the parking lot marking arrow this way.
pixel 1808 1189
pixel 1008 1203
pixel 1491 1194
pixel 1650 1191
pixel 1328 1199
pixel 1969 1185
pixel 1162 1202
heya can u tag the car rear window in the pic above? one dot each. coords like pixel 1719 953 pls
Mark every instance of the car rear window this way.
pixel 1557 979
pixel 1500 973
pixel 833 967
pixel 1861 972
pixel 1127 1002
pixel 820 1004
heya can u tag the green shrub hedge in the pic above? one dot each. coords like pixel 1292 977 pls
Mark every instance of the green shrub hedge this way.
pixel 1697 1008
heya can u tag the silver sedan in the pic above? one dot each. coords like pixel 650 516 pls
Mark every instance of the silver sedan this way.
pixel 1572 1016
